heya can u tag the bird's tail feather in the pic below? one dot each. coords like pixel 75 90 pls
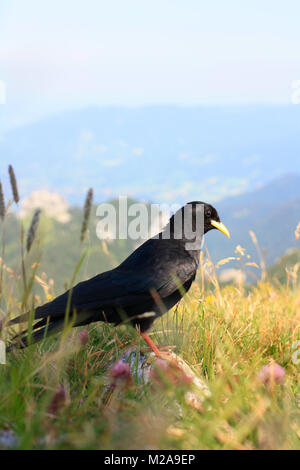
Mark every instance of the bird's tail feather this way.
pixel 20 319
pixel 45 327
pixel 25 339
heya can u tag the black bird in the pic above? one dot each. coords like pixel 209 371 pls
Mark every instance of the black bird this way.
pixel 143 287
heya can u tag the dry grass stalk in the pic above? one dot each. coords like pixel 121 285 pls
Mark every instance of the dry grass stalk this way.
pixel 87 212
pixel 2 203
pixel 13 183
pixel 33 229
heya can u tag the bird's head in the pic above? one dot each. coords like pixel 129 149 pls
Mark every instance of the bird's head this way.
pixel 197 218
pixel 212 220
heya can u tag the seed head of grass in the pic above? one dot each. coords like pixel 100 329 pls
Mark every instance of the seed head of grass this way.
pixel 33 229
pixel 13 183
pixel 87 212
pixel 2 203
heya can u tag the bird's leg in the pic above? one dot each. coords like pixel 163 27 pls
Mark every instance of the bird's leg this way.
pixel 151 344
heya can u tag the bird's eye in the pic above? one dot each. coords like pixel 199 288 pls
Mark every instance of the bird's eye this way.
pixel 208 214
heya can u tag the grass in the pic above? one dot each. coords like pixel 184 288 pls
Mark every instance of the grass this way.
pixel 226 337
pixel 57 394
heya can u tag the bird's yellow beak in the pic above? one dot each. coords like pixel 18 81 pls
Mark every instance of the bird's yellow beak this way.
pixel 220 227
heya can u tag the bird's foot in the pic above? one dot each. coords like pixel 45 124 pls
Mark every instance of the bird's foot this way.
pixel 154 348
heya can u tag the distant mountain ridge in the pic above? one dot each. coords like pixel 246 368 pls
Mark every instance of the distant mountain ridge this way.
pixel 235 156
pixel 272 212
pixel 159 153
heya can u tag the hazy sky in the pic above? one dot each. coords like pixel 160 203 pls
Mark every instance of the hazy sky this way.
pixel 62 54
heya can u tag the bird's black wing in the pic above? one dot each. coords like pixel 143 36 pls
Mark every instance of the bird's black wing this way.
pixel 156 266
pixel 125 292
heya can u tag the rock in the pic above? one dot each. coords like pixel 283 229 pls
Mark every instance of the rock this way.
pixel 8 439
pixel 147 368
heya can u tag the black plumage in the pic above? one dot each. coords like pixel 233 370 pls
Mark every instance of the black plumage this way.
pixel 144 286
